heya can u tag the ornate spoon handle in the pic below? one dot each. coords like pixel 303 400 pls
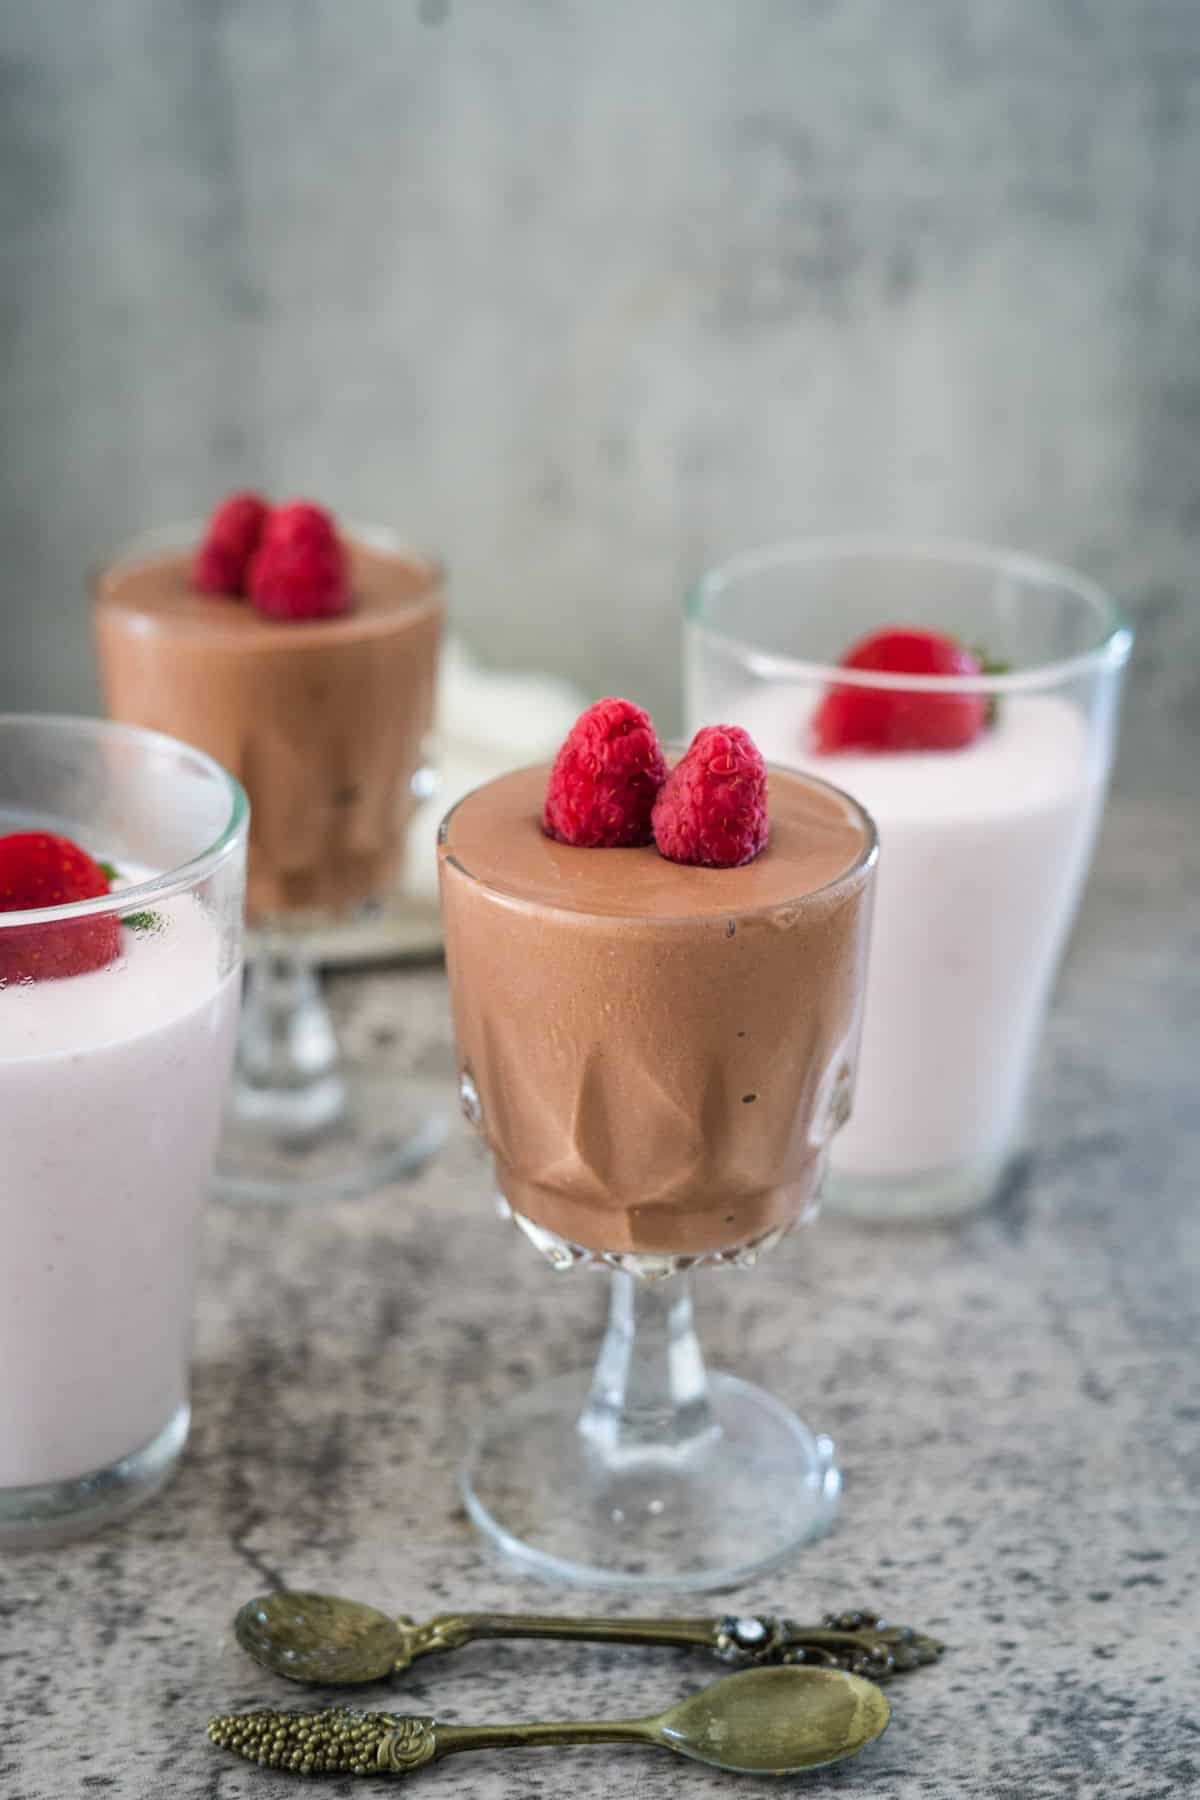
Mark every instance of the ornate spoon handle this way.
pixel 859 1642
pixel 337 1741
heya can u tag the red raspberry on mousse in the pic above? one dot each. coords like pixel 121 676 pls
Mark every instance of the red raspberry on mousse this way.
pixel 223 559
pixel 605 779
pixel 713 807
pixel 300 569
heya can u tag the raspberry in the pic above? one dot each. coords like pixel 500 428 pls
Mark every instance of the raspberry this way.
pixel 299 570
pixel 230 541
pixel 854 718
pixel 713 808
pixel 605 779
pixel 38 869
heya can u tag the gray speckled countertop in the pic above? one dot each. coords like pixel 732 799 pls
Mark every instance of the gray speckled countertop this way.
pixel 1014 1401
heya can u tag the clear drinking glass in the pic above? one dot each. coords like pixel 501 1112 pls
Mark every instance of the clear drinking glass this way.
pixel 328 723
pixel 649 1079
pixel 111 1088
pixel 985 848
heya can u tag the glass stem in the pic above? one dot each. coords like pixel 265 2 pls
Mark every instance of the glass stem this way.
pixel 650 1387
pixel 286 1078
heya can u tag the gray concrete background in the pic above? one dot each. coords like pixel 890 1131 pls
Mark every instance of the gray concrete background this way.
pixel 589 294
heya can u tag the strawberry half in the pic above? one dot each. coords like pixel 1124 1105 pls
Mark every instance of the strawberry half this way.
pixel 39 869
pixel 860 718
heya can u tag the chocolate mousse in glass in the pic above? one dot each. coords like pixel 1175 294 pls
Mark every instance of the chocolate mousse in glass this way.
pixel 326 721
pixel 657 1056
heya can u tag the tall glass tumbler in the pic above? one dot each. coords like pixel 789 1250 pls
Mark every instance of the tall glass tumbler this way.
pixel 118 1017
pixel 985 847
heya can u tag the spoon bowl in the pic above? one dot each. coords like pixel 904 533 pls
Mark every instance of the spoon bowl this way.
pixel 775 1721
pixel 320 1638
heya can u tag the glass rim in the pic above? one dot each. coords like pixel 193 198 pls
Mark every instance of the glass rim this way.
pixel 1110 652
pixel 864 861
pixel 182 533
pixel 142 895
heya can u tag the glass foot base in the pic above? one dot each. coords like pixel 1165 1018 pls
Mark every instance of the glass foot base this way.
pixel 377 1128
pixel 930 1194
pixel 53 1512
pixel 708 1513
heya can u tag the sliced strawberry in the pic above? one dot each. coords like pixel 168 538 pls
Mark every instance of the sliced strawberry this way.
pixel 39 869
pixel 859 718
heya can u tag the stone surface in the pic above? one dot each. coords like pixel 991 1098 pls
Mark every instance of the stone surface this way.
pixel 1014 1401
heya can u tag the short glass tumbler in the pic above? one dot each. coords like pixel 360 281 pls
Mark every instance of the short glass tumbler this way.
pixel 112 1083
pixel 984 847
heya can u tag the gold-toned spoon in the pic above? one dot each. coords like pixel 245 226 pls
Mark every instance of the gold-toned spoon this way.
pixel 761 1722
pixel 327 1641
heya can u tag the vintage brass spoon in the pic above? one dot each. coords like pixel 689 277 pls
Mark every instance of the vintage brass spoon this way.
pixel 761 1722
pixel 327 1641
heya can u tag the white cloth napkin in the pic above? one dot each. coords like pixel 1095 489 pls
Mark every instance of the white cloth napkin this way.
pixel 488 721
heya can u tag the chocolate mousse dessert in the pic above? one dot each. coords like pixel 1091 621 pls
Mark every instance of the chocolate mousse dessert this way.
pixel 303 660
pixel 655 986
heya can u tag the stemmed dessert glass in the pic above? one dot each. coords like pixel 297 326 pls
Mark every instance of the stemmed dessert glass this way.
pixel 655 1473
pixel 306 1120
